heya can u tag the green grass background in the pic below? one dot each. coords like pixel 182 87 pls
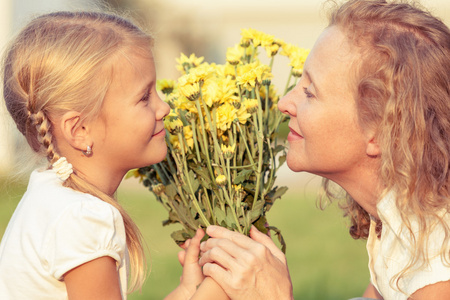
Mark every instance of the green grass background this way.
pixel 324 261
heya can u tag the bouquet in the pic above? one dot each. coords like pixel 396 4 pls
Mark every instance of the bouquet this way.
pixel 224 148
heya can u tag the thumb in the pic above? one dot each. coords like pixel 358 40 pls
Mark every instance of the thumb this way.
pixel 266 240
pixel 193 250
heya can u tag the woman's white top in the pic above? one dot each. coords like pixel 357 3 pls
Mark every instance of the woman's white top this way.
pixel 53 230
pixel 391 253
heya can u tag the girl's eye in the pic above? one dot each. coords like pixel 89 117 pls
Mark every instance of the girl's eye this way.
pixel 308 93
pixel 146 97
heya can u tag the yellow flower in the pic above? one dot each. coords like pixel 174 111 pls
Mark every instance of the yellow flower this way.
pixel 201 73
pixel 256 74
pixel 242 114
pixel 251 105
pixel 188 87
pixel 228 151
pixel 272 50
pixel 173 124
pixel 185 63
pixel 272 94
pixel 298 59
pixel 221 180
pixel 234 55
pixel 188 136
pixel 165 85
pixel 258 38
pixel 225 115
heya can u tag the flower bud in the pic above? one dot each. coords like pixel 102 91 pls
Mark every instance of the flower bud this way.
pixel 174 125
pixel 266 82
pixel 237 104
pixel 221 180
pixel 228 151
pixel 158 189
pixel 189 116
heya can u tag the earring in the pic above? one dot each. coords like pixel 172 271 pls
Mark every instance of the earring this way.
pixel 88 151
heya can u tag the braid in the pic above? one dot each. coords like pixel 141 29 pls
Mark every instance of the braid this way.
pixel 42 125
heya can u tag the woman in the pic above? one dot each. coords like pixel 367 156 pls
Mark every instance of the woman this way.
pixel 370 113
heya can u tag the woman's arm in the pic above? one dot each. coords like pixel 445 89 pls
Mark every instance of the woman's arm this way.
pixel 94 280
pixel 246 268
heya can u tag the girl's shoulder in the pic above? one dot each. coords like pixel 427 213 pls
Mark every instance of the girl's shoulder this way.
pixel 46 193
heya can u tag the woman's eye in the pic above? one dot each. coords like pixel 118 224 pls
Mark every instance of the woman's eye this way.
pixel 308 93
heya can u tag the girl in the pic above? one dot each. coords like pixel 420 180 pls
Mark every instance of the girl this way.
pixel 81 89
pixel 370 113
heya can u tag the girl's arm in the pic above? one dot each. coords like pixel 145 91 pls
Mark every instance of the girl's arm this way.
pixel 94 280
pixel 192 273
pixel 371 292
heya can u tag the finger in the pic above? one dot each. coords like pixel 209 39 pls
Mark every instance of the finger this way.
pixel 181 257
pixel 267 241
pixel 239 239
pixel 218 273
pixel 193 249
pixel 220 257
pixel 185 244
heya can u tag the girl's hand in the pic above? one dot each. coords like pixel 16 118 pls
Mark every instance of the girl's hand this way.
pixel 192 273
pixel 246 268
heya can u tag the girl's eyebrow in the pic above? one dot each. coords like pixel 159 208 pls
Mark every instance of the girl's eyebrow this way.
pixel 144 88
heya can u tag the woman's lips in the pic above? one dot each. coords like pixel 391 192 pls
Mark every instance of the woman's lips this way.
pixel 293 135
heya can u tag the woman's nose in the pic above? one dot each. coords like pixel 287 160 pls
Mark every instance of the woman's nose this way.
pixel 286 105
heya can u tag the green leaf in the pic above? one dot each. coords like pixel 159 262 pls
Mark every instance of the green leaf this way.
pixel 231 224
pixel 171 190
pixel 220 214
pixel 257 210
pixel 180 236
pixel 242 176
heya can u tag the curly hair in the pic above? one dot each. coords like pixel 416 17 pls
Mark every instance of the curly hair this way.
pixel 402 89
pixel 60 62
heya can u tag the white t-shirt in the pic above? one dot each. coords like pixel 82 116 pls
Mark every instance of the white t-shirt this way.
pixel 391 253
pixel 53 230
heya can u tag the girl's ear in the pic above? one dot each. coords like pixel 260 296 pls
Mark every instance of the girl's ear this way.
pixel 74 131
pixel 372 148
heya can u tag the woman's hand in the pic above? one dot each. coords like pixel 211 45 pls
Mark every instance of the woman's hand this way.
pixel 246 268
pixel 192 272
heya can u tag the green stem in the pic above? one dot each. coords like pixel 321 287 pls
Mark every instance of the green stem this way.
pixel 232 208
pixel 260 141
pixel 186 175
pixel 288 81
pixel 205 142
pixel 194 137
pixel 250 157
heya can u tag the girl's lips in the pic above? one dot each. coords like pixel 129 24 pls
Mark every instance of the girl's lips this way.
pixel 293 135
pixel 162 132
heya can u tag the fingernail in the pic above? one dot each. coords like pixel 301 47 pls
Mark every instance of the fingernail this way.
pixel 211 228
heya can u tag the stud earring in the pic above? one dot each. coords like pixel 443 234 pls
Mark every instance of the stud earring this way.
pixel 88 151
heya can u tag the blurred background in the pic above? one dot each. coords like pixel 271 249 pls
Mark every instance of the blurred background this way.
pixel 325 263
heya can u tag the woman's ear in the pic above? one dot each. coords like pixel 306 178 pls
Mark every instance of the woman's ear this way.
pixel 74 131
pixel 372 147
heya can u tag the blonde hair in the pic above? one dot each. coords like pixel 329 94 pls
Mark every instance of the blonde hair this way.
pixel 403 91
pixel 61 62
